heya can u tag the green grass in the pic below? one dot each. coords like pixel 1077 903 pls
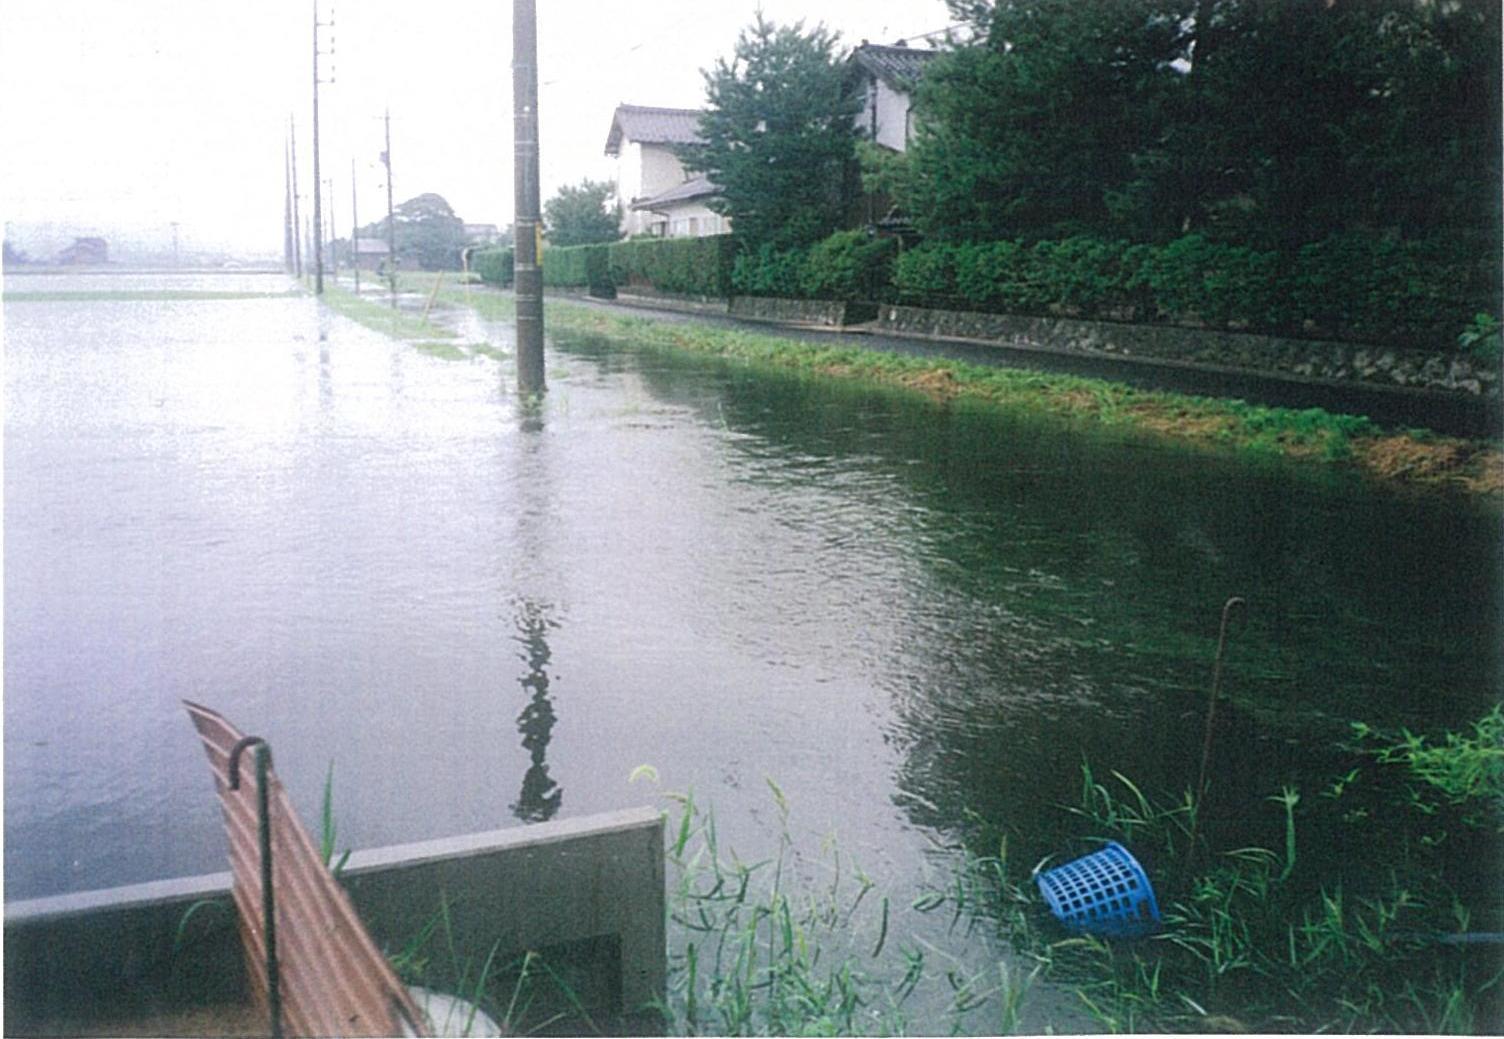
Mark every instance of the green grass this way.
pixel 1275 939
pixel 379 317
pixel 443 351
pixel 765 948
pixel 1309 436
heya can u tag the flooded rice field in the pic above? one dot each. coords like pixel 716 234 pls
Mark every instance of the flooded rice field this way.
pixel 907 615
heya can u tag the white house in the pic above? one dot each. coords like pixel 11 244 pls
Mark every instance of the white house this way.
pixel 682 211
pixel 656 195
pixel 887 77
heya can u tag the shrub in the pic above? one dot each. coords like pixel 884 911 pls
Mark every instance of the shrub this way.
pixel 494 266
pixel 769 272
pixel 684 266
pixel 848 265
pixel 1087 275
pixel 1378 288
pixel 1351 286
pixel 926 274
pixel 576 266
pixel 1218 284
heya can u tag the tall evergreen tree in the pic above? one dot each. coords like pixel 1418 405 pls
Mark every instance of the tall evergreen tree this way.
pixel 1269 123
pixel 778 134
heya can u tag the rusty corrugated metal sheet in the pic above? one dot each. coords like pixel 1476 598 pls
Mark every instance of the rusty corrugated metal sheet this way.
pixel 333 979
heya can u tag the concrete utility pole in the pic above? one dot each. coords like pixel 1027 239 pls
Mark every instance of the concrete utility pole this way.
pixel 176 256
pixel 297 223
pixel 354 230
pixel 391 221
pixel 318 213
pixel 333 235
pixel 527 275
pixel 287 235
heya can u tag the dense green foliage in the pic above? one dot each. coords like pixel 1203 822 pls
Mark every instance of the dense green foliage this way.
pixel 1270 125
pixel 848 265
pixel 778 134
pixel 1299 167
pixel 579 214
pixel 493 266
pixel 1347 286
pixel 578 266
pixel 428 233
pixel 686 266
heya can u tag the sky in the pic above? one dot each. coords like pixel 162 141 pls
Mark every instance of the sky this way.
pixel 125 116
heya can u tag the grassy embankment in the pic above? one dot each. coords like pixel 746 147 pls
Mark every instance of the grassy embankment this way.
pixel 400 324
pixel 1406 456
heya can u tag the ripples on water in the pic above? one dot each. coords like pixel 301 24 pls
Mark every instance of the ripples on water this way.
pixel 898 610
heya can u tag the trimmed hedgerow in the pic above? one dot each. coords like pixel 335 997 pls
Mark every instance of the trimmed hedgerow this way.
pixel 494 266
pixel 848 265
pixel 578 266
pixel 1352 286
pixel 681 266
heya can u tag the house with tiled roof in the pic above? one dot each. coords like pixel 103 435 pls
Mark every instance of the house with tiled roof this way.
pixel 887 77
pixel 657 195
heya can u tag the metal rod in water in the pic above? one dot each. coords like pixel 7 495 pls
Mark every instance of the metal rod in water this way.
pixel 1211 715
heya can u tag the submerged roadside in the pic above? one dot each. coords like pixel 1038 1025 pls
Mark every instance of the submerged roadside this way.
pixel 1403 456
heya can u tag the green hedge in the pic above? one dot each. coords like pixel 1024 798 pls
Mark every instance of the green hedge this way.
pixel 494 266
pixel 1351 286
pixel 578 266
pixel 682 266
pixel 849 265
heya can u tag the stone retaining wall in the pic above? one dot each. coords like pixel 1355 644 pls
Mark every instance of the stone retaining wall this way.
pixel 1313 359
pixel 824 312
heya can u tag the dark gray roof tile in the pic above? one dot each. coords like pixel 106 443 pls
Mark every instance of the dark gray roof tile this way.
pixel 652 126
pixel 901 67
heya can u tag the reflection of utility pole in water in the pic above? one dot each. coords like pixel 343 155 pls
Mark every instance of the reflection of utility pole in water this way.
pixel 540 797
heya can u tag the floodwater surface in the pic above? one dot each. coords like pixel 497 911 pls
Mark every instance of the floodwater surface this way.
pixel 481 615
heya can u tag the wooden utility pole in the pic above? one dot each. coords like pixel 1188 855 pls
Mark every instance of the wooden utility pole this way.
pixel 354 231
pixel 318 190
pixel 391 221
pixel 527 275
pixel 297 223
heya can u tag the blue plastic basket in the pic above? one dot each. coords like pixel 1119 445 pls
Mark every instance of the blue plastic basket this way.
pixel 1106 893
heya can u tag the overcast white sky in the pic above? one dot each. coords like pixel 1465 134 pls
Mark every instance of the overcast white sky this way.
pixel 130 114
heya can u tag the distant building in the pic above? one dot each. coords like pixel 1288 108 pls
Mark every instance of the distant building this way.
pixel 657 196
pixel 887 77
pixel 370 253
pixel 85 252
pixel 482 234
